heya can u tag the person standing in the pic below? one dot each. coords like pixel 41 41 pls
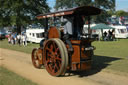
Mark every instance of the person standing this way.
pixel 24 38
pixel 19 39
pixel 9 38
pixel 113 35
pixel 15 38
pixel 105 36
pixel 12 39
pixel 110 35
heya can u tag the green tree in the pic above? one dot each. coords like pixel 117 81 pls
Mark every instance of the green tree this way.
pixel 60 4
pixel 121 13
pixel 106 5
pixel 110 13
pixel 21 12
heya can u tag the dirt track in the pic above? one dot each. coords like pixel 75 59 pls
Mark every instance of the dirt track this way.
pixel 20 63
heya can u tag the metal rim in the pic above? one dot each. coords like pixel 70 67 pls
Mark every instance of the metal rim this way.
pixel 66 55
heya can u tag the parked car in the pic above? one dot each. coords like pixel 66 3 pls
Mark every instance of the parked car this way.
pixel 7 35
pixel 2 35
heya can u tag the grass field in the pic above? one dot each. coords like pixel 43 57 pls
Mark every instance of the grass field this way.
pixel 9 78
pixel 110 55
pixel 27 49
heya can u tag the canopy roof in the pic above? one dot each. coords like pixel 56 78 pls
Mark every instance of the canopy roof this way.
pixel 101 26
pixel 83 10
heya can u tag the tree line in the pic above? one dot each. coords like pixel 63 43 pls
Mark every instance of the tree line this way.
pixel 23 12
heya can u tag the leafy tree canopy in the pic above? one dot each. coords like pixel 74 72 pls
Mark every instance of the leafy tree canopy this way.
pixel 21 12
pixel 121 13
pixel 60 4
pixel 102 4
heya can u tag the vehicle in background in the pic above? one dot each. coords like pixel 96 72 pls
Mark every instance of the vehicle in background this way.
pixel 120 31
pixel 95 33
pixel 127 28
pixel 6 35
pixel 35 35
pixel 2 35
pixel 8 32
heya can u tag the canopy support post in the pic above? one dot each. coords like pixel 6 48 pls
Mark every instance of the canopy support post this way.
pixel 89 30
pixel 46 24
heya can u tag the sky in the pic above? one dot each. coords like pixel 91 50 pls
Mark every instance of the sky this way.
pixel 120 4
pixel 51 3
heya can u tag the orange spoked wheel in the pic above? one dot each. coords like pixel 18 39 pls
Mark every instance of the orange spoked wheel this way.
pixel 37 57
pixel 55 57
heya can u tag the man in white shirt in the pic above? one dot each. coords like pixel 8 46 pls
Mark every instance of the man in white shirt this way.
pixel 68 27
pixel 24 39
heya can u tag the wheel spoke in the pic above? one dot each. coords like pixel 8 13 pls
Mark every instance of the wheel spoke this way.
pixel 56 66
pixel 35 56
pixel 54 45
pixel 59 63
pixel 48 61
pixel 57 58
pixel 49 55
pixel 56 50
pixel 48 49
pixel 50 67
pixel 53 70
pixel 51 47
pixel 49 64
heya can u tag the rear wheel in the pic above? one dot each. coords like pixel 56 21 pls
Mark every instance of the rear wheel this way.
pixel 55 58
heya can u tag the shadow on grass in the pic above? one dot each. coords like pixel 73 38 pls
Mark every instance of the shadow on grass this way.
pixel 98 63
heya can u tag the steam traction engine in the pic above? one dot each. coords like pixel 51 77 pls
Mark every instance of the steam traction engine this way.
pixel 54 53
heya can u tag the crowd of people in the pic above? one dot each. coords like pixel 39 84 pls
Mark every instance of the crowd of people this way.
pixel 109 36
pixel 19 39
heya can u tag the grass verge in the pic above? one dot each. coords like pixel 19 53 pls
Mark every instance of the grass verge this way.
pixel 27 49
pixel 9 78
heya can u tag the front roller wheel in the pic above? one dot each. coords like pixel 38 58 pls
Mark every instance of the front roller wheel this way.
pixel 55 58
pixel 37 58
